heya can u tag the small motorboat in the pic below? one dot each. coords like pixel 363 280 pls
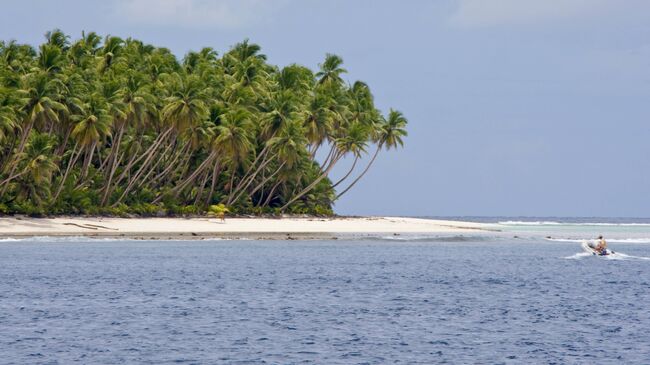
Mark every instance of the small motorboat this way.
pixel 590 247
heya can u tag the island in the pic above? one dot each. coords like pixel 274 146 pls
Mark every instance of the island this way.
pixel 117 127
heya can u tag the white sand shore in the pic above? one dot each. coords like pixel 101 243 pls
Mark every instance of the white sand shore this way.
pixel 258 228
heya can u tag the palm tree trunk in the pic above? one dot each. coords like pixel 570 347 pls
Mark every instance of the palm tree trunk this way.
pixel 245 177
pixel 195 174
pixel 61 149
pixel 202 186
pixel 71 162
pixel 191 178
pixel 314 183
pixel 268 199
pixel 215 176
pixel 102 164
pixel 232 180
pixel 6 153
pixel 363 173
pixel 153 168
pixel 265 180
pixel 136 159
pixel 7 180
pixel 150 154
pixel 312 153
pixel 89 157
pixel 356 158
pixel 21 147
pixel 113 158
pixel 172 164
pixel 250 180
pixel 327 159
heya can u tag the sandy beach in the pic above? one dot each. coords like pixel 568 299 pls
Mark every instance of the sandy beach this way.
pixel 249 228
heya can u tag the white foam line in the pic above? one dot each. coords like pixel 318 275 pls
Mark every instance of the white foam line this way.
pixel 553 223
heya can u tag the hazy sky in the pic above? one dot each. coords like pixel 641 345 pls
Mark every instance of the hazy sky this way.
pixel 516 107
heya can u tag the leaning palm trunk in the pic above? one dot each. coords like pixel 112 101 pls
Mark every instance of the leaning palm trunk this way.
pixel 87 161
pixel 362 173
pixel 196 173
pixel 327 160
pixel 113 163
pixel 239 190
pixel 270 196
pixel 150 153
pixel 171 166
pixel 71 163
pixel 215 175
pixel 7 180
pixel 6 154
pixel 312 152
pixel 153 168
pixel 267 179
pixel 14 164
pixel 246 176
pixel 61 149
pixel 259 186
pixel 314 183
pixel 191 178
pixel 199 194
pixel 135 159
pixel 354 164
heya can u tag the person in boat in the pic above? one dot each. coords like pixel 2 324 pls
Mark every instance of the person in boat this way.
pixel 601 246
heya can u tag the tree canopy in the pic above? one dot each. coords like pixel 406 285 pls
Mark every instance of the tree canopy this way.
pixel 116 126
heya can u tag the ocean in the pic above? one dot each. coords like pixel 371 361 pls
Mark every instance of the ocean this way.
pixel 527 294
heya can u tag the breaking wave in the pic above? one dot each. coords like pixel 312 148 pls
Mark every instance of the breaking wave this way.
pixel 432 238
pixel 555 223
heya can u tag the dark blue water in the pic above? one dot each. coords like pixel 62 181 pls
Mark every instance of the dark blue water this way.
pixel 363 302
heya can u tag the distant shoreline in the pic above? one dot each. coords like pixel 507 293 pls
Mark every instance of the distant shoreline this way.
pixel 233 228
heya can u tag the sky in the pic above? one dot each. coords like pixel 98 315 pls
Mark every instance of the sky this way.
pixel 515 107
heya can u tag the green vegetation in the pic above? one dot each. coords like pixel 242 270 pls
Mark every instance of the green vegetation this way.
pixel 118 127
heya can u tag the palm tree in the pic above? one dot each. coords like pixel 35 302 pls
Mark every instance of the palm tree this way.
pixel 186 106
pixel 245 50
pixel 289 147
pixel 36 172
pixel 390 135
pixel 18 58
pixel 331 70
pixel 184 109
pixel 93 124
pixel 353 141
pixel 233 140
pixel 318 121
pixel 58 39
pixel 10 107
pixel 51 58
pixel 42 106
pixel 111 51
pixel 131 110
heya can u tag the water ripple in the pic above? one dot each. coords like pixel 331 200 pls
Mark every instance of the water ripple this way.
pixel 334 302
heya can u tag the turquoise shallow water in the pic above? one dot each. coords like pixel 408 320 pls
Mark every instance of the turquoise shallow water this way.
pixel 615 229
pixel 375 301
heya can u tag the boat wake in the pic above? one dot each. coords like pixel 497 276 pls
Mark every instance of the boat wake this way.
pixel 613 256
pixel 612 240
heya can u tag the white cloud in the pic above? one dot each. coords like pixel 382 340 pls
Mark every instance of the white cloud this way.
pixel 486 13
pixel 196 13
